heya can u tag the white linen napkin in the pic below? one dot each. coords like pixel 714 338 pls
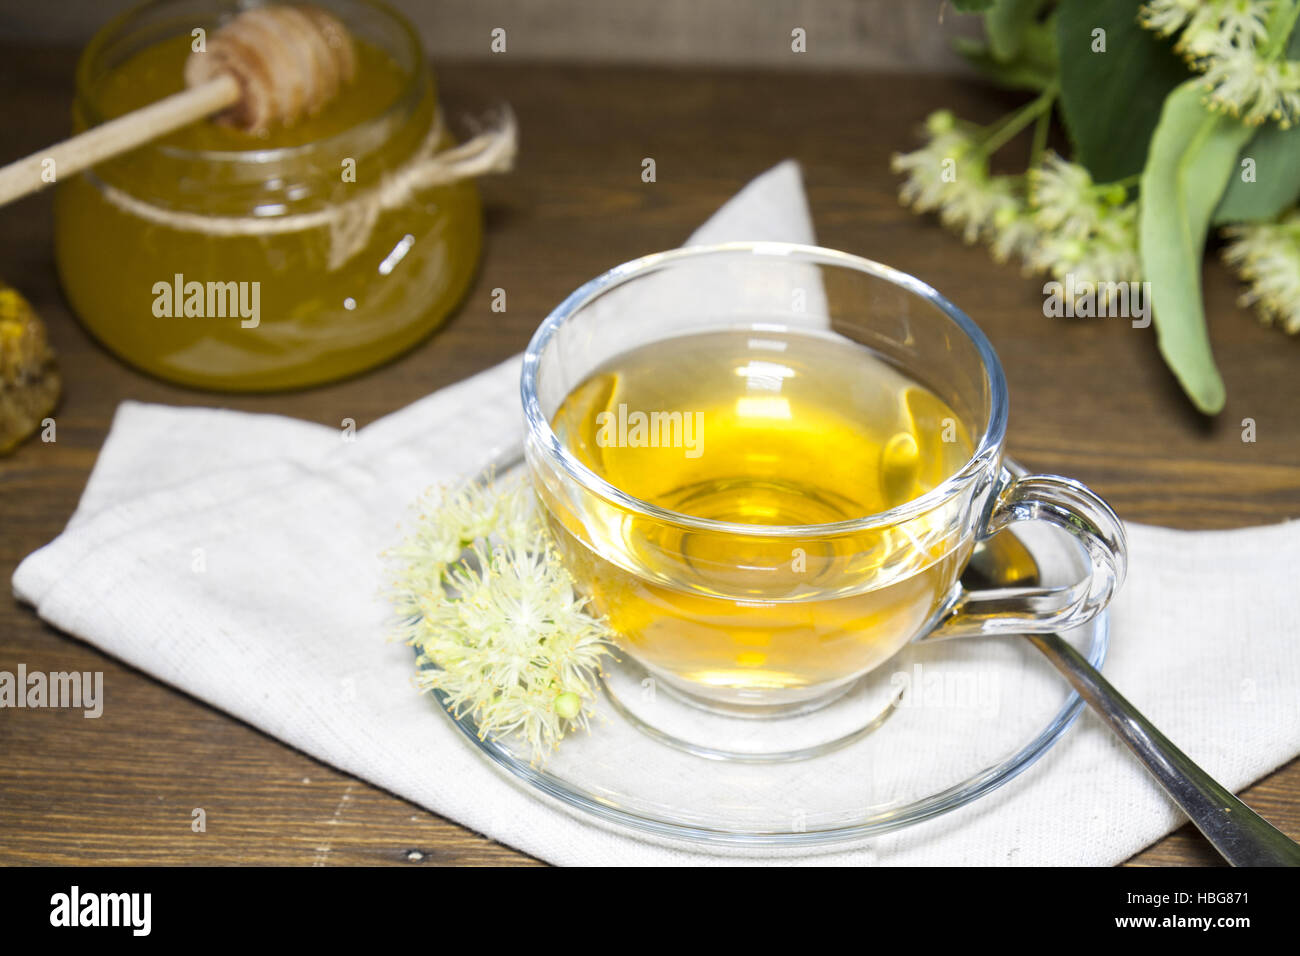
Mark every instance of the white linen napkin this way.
pixel 235 556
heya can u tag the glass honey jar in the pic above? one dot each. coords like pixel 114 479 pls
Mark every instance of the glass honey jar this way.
pixel 225 260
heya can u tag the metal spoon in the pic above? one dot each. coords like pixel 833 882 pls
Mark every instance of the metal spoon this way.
pixel 1242 836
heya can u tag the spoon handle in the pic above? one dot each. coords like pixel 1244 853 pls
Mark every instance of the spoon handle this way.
pixel 1238 832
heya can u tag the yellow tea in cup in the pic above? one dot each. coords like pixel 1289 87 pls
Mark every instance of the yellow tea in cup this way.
pixel 759 429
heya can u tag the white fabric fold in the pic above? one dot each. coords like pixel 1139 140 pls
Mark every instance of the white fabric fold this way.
pixel 236 557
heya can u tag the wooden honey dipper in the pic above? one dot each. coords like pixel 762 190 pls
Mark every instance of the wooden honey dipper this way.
pixel 268 66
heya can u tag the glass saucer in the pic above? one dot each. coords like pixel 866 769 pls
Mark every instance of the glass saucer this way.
pixel 937 726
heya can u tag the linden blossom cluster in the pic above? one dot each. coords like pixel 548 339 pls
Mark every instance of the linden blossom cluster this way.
pixel 1224 39
pixel 1056 220
pixel 213 300
pixel 1054 217
pixel 1267 256
pixel 482 596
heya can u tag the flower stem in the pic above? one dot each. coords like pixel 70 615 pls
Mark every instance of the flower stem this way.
pixel 1039 145
pixel 1017 121
pixel 1128 182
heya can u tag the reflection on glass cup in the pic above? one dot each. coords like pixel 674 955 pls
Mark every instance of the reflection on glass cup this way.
pixel 767 465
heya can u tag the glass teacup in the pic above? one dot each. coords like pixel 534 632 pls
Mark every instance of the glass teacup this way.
pixel 768 464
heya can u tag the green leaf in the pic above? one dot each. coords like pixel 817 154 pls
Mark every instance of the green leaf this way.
pixel 1193 152
pixel 1276 154
pixel 1111 101
pixel 971 6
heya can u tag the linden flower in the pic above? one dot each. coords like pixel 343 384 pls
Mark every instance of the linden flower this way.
pixel 1257 90
pixel 483 597
pixel 1220 24
pixel 931 171
pixel 1107 258
pixel 1205 22
pixel 1267 257
pixel 1063 198
pixel 1015 233
pixel 1084 229
pixel 949 175
pixel 1244 23
pixel 1222 38
pixel 469 513
pixel 1166 17
pixel 969 211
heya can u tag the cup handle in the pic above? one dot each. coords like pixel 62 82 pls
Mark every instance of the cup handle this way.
pixel 1079 512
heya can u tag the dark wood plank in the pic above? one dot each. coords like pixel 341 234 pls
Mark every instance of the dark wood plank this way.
pixel 1090 398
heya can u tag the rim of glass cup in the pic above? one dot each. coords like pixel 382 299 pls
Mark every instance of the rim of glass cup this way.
pixel 991 439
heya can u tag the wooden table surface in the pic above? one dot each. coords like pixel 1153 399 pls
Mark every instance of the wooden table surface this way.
pixel 1089 398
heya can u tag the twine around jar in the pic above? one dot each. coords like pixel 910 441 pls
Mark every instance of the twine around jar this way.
pixel 351 222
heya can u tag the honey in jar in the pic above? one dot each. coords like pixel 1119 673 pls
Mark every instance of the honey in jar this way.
pixel 157 275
